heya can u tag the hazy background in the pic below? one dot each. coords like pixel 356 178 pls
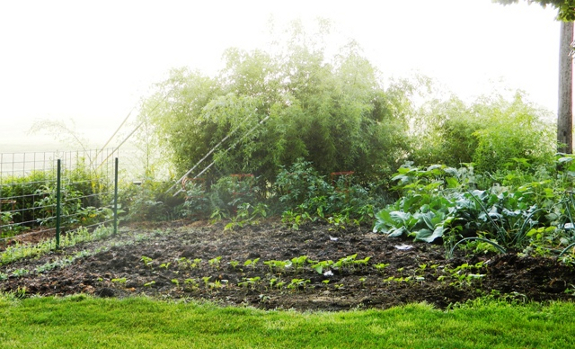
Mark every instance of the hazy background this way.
pixel 89 63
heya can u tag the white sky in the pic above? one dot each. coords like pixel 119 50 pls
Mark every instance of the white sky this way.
pixel 91 61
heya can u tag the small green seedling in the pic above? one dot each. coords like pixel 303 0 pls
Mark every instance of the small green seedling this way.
pixel 215 262
pixel 182 262
pixel 319 267
pixel 362 262
pixel 397 279
pixel 215 284
pixel 21 292
pixel 251 263
pixel 196 263
pixel 278 266
pixel 191 283
pixel 345 262
pixel 150 284
pixel 298 262
pixel 249 282
pixel 147 261
pixel 380 267
pixel 120 280
pixel 165 265
pixel 298 283
pixel 20 272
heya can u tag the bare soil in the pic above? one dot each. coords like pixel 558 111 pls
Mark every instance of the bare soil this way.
pixel 417 272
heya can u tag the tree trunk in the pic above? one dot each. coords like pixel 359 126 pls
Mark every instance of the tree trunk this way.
pixel 565 110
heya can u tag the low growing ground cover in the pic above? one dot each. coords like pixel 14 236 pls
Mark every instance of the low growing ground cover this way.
pixel 86 322
pixel 269 266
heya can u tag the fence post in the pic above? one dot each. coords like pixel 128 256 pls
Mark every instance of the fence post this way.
pixel 58 199
pixel 116 196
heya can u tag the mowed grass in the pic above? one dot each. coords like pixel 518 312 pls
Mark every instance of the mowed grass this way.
pixel 85 322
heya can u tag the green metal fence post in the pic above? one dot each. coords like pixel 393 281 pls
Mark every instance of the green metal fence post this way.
pixel 58 199
pixel 116 197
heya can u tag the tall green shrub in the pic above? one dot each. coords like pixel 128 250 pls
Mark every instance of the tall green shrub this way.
pixel 492 132
pixel 277 107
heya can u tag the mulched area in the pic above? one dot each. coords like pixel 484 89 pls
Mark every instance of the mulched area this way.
pixel 171 268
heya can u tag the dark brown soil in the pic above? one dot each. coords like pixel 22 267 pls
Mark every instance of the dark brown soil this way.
pixel 418 273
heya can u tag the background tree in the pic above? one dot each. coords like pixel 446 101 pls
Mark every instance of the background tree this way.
pixel 566 8
pixel 566 13
pixel 273 108
pixel 565 108
pixel 492 132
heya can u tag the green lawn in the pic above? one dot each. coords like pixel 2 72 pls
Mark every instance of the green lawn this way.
pixel 85 322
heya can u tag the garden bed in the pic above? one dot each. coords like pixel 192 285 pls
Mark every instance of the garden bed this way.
pixel 269 266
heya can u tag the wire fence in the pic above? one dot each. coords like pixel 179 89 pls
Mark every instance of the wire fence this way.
pixel 44 193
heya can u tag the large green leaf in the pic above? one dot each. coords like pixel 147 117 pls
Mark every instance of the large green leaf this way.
pixel 428 235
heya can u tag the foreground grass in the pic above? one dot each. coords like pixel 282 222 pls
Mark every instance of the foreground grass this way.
pixel 84 322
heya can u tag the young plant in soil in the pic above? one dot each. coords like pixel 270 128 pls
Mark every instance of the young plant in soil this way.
pixel 278 266
pixel 461 277
pixel 345 262
pixel 362 262
pixel 147 261
pixel 215 285
pixel 380 267
pixel 250 282
pixel 321 266
pixel 298 263
pixel 20 272
pixel 297 284
pixel 186 263
pixel 165 265
pixel 295 218
pixel 215 262
pixel 251 263
pixel 234 264
pixel 398 279
pixel 191 283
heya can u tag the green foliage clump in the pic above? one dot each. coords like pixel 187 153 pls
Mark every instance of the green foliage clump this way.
pixel 84 198
pixel 489 133
pixel 148 201
pixel 565 8
pixel 270 109
pixel 306 195
pixel 222 199
pixel 299 194
pixel 533 211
